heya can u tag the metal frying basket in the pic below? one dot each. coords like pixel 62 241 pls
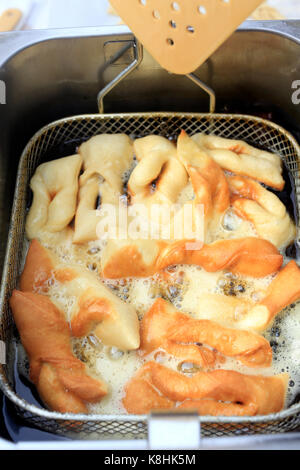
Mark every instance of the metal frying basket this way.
pixel 254 130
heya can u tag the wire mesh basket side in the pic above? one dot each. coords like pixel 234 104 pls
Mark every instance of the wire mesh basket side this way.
pixel 253 130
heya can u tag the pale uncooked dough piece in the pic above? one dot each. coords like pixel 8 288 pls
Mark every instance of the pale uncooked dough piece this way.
pixel 243 159
pixel 87 216
pixel 54 185
pixel 208 180
pixel 264 209
pixel 155 184
pixel 157 162
pixel 227 310
pixel 106 157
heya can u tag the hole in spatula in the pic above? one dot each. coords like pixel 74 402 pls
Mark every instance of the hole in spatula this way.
pixel 190 29
pixel 175 6
pixel 201 10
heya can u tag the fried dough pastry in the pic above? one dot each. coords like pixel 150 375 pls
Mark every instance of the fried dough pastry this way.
pixel 141 258
pixel 243 159
pixel 106 157
pixel 283 290
pixel 95 307
pixel 208 180
pixel 178 334
pixel 264 209
pixel 141 396
pixel 54 185
pixel 154 186
pixel 162 327
pixel 158 162
pixel 62 380
pixel 87 214
pixel 224 309
pixel 218 392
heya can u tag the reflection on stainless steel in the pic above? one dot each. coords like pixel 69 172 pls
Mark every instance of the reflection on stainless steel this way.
pixel 54 74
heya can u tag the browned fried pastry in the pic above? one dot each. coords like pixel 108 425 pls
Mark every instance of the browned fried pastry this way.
pixel 95 307
pixel 54 185
pixel 63 381
pixel 283 290
pixel 264 209
pixel 218 392
pixel 142 397
pixel 208 180
pixel 250 256
pixel 164 327
pixel 38 269
pixel 243 159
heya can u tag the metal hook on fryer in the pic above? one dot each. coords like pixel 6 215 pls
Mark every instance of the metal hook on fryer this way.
pixel 207 89
pixel 138 57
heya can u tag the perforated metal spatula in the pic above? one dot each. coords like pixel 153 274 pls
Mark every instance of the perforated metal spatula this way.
pixel 181 35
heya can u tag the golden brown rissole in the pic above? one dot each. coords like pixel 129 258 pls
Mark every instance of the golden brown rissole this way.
pixel 164 327
pixel 141 258
pixel 95 309
pixel 218 392
pixel 283 290
pixel 61 379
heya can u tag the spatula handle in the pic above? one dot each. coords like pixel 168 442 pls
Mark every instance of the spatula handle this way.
pixel 9 19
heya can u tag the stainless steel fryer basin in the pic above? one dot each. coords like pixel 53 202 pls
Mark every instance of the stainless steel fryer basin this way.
pixel 253 71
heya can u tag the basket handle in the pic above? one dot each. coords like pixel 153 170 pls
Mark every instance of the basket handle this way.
pixel 138 57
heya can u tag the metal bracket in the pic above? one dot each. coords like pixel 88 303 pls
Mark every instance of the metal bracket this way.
pixel 180 430
pixel 138 57
pixel 207 89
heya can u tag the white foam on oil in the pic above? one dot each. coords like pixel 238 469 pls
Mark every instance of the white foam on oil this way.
pixel 186 287
pixel 192 291
pixel 116 373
